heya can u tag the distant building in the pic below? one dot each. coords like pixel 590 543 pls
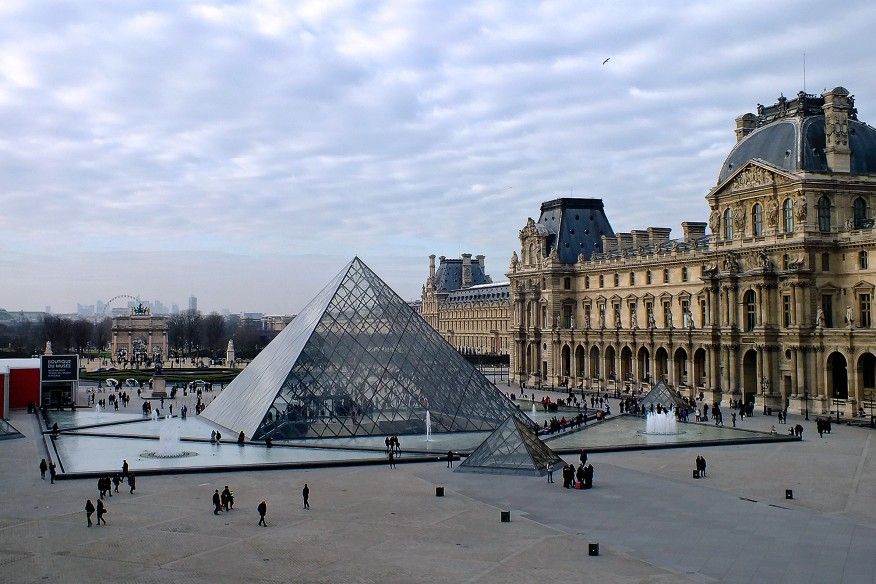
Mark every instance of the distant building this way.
pixel 139 333
pixel 462 303
pixel 193 303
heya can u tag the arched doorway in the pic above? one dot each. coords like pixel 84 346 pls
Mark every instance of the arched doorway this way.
pixel 699 366
pixel 609 368
pixel 579 362
pixel 567 361
pixel 644 359
pixel 837 376
pixel 867 371
pixel 749 376
pixel 661 364
pixel 626 363
pixel 680 364
pixel 594 362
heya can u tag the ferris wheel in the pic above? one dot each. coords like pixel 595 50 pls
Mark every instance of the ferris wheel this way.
pixel 121 298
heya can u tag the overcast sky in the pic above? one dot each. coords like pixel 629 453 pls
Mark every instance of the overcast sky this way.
pixel 244 151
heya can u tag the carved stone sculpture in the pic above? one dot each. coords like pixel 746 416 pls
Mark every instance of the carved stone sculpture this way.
pixel 715 221
pixel 819 318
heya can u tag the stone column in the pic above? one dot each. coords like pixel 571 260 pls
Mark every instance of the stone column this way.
pixel 733 362
pixel 801 371
pixel 712 356
pixel 759 367
pixel 794 391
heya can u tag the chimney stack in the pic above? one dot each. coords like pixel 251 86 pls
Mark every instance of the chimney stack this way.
pixel 836 129
pixel 480 259
pixel 745 125
pixel 658 235
pixel 693 230
pixel 432 267
pixel 466 270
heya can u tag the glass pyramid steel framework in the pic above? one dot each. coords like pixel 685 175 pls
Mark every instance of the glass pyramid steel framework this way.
pixel 513 448
pixel 358 361
pixel 664 395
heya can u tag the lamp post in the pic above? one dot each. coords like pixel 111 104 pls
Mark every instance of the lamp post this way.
pixel 870 396
pixel 806 399
pixel 764 385
pixel 836 400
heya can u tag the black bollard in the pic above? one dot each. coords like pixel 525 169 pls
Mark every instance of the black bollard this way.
pixel 593 549
pixel 439 491
pixel 789 494
pixel 506 517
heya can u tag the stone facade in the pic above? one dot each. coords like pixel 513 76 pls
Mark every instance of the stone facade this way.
pixel 774 306
pixel 463 304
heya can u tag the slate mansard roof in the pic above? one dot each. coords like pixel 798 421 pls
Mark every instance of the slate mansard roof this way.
pixel 574 226
pixel 448 276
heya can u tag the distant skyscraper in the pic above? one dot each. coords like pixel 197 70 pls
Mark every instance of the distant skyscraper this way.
pixel 193 303
pixel 174 308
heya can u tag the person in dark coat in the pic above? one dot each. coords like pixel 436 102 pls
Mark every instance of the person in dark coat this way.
pixel 449 459
pixel 100 487
pixel 227 499
pixel 132 482
pixel 116 482
pixel 217 502
pixel 101 511
pixel 583 457
pixel 52 471
pixel 263 508
pixel 392 459
pixel 588 476
pixel 108 485
pixel 43 468
pixel 241 438
pixel 579 474
pixel 125 468
pixel 305 492
pixel 89 510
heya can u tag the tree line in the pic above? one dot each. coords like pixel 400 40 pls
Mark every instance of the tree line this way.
pixel 189 334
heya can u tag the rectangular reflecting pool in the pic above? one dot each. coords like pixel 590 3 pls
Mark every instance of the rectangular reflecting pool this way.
pixel 627 432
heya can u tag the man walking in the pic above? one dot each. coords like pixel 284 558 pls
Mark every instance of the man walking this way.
pixel 217 503
pixel 89 510
pixel 101 510
pixel 43 468
pixel 132 482
pixel 263 508
pixel 306 494
pixel 52 472
pixel 550 473
pixel 449 459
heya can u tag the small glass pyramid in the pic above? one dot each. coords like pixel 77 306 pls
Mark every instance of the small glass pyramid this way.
pixel 513 448
pixel 358 361
pixel 662 394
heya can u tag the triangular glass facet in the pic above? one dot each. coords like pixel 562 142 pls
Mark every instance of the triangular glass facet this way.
pixel 358 361
pixel 512 448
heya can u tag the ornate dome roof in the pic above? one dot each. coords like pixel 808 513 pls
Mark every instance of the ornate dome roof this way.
pixel 790 135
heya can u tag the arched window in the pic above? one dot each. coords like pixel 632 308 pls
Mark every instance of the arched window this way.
pixel 823 214
pixel 728 223
pixel 788 216
pixel 859 212
pixel 750 301
pixel 757 220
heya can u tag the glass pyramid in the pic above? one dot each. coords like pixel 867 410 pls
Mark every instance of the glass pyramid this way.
pixel 513 448
pixel 358 361
pixel 662 394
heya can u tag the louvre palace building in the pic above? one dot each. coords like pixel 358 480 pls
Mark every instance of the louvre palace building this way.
pixel 771 301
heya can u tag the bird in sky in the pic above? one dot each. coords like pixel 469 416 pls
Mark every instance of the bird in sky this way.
pixel 606 61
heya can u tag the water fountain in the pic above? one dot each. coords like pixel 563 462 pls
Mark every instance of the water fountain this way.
pixel 154 415
pixel 97 408
pixel 428 426
pixel 169 444
pixel 661 424
pixel 533 407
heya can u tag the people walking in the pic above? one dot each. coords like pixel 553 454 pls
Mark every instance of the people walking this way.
pixel 116 482
pixel 263 509
pixel 550 473
pixel 305 493
pixel 125 468
pixel 217 502
pixel 449 459
pixel 43 468
pixel 392 459
pixel 53 471
pixel 132 482
pixel 89 511
pixel 101 511
pixel 227 499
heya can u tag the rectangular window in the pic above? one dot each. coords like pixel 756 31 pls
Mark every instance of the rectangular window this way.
pixel 665 276
pixel 567 316
pixel 863 260
pixel 648 277
pixel 667 314
pixel 827 309
pixel 602 281
pixel 786 310
pixel 864 305
pixel 617 314
pixel 703 313
pixel 684 274
pixel 632 278
pixel 632 311
pixel 825 262
pixel 616 280
pixel 649 312
pixel 567 283
pixel 587 281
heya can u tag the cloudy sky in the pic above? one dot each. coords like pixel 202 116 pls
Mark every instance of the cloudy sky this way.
pixel 244 151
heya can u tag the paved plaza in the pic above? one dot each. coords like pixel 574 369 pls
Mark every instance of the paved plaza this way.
pixel 654 523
